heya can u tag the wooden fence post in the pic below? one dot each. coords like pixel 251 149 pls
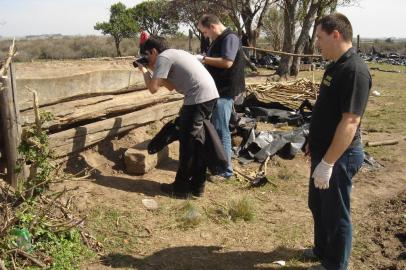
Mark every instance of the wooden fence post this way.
pixel 11 129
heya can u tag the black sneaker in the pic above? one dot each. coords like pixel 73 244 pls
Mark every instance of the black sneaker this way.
pixel 169 189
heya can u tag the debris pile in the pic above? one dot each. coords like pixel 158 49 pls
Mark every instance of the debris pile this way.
pixel 274 120
pixel 386 58
pixel 290 93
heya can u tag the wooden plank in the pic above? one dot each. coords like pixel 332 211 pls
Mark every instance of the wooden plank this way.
pixel 77 139
pixel 384 142
pixel 89 109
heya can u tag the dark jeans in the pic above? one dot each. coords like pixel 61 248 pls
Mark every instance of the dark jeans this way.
pixel 331 210
pixel 191 172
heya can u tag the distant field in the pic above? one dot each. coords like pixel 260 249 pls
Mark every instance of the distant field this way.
pixel 77 47
pixel 71 47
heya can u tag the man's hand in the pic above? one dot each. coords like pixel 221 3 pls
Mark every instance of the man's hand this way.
pixel 141 67
pixel 322 174
pixel 200 57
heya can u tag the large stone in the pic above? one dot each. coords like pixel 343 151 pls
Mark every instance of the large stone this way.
pixel 138 161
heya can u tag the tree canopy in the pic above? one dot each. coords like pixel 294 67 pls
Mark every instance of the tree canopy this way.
pixel 121 25
pixel 156 17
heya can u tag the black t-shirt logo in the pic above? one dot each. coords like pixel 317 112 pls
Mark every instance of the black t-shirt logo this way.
pixel 327 80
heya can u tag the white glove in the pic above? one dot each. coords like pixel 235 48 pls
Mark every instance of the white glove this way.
pixel 199 57
pixel 322 174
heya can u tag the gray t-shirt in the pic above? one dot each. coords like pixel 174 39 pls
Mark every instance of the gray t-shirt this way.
pixel 187 74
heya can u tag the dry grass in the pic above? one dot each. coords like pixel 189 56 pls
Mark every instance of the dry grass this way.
pixel 241 209
pixel 189 215
pixel 78 47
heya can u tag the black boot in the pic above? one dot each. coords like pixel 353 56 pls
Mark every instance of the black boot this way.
pixel 176 190
pixel 197 189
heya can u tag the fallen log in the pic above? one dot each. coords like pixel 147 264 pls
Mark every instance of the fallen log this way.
pixel 77 139
pixel 72 112
pixel 385 142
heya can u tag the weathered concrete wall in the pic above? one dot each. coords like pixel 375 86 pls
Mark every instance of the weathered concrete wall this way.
pixel 54 89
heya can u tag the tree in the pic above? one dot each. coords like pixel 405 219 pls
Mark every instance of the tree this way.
pixel 156 17
pixel 273 27
pixel 307 14
pixel 247 15
pixel 190 12
pixel 119 26
pixel 304 13
pixel 289 21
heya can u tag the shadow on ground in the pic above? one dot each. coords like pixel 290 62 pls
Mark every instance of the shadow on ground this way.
pixel 205 257
pixel 142 186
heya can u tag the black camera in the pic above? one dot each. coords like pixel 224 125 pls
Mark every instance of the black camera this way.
pixel 142 60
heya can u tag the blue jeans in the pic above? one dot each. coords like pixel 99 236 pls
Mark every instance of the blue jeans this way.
pixel 331 210
pixel 221 120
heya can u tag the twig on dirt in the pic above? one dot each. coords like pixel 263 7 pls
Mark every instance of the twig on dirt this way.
pixel 72 225
pixel 88 171
pixel 64 211
pixel 2 265
pixel 69 201
pixel 246 177
pixel 14 262
pixel 91 241
pixel 30 257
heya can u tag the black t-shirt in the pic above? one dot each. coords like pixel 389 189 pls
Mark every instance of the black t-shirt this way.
pixel 230 82
pixel 344 89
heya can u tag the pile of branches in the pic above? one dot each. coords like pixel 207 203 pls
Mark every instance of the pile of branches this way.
pixel 40 216
pixel 290 93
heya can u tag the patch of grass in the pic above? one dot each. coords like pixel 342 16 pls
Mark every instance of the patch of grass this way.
pixel 241 209
pixel 291 234
pixel 218 215
pixel 189 215
pixel 286 174
pixel 67 250
pixel 117 230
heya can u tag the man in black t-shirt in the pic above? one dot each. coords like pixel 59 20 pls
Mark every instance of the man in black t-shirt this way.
pixel 335 141
pixel 225 63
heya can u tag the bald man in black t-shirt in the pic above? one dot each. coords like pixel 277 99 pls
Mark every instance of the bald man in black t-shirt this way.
pixel 335 141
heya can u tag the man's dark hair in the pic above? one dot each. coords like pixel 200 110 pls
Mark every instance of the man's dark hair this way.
pixel 207 19
pixel 157 43
pixel 336 21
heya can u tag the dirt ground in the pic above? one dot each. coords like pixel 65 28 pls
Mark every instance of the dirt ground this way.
pixel 137 238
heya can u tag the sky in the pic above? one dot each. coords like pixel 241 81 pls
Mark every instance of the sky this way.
pixel 370 18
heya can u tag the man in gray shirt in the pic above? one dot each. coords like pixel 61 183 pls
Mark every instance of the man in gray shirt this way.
pixel 179 70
